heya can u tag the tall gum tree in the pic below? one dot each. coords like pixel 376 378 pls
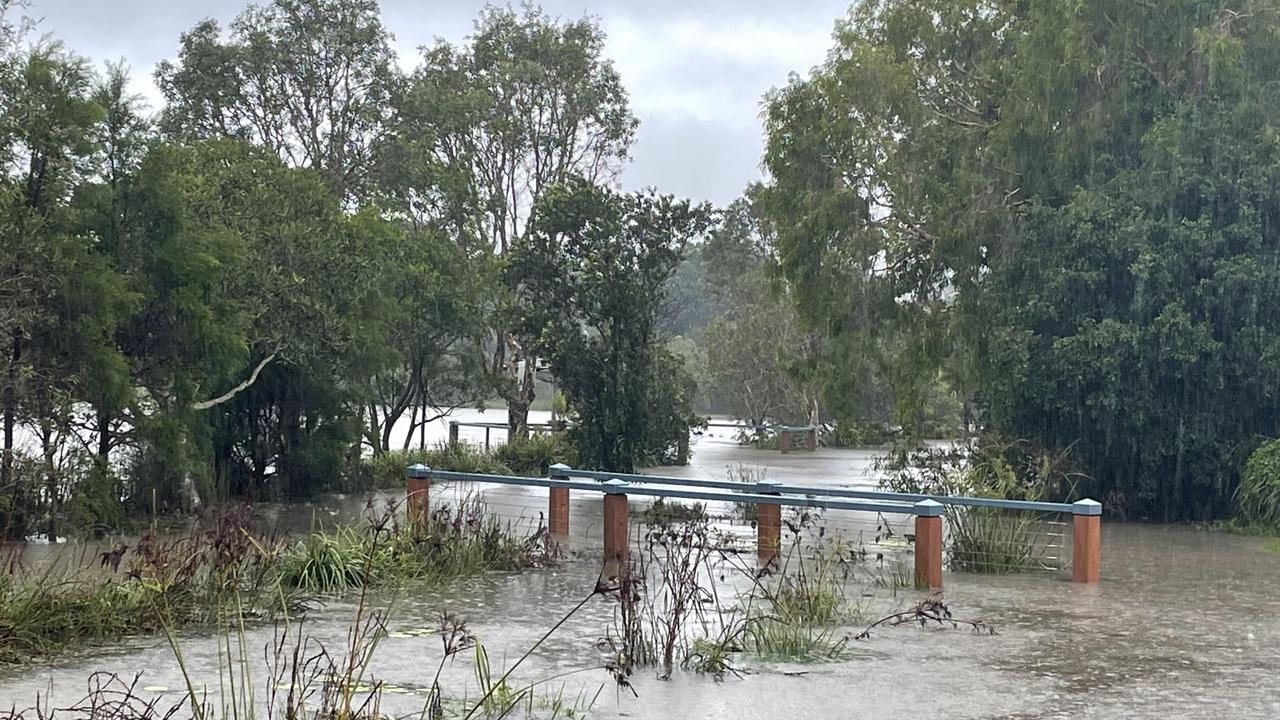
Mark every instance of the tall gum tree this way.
pixel 527 102
pixel 1068 208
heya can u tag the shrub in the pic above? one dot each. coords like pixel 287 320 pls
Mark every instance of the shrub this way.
pixel 664 512
pixel 852 434
pixel 1257 499
pixel 387 469
pixel 534 455
pixel 981 539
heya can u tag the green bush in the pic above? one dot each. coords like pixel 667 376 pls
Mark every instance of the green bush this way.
pixel 387 469
pixel 853 434
pixel 534 455
pixel 1257 499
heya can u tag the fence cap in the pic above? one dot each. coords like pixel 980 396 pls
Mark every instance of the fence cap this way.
pixel 559 470
pixel 768 486
pixel 417 471
pixel 614 486
pixel 927 508
pixel 1086 507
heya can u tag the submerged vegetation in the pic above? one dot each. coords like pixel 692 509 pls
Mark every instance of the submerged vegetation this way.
pixel 531 456
pixel 165 583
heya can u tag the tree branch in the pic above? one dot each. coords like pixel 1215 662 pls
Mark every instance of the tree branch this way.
pixel 253 377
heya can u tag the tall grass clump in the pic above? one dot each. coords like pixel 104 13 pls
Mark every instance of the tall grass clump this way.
pixel 1257 499
pixel 987 540
pixel 990 540
pixel 458 541
pixel 157 583
pixel 535 454
pixel 794 615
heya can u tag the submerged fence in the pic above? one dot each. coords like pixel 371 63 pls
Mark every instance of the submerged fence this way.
pixel 788 435
pixel 456 425
pixel 769 497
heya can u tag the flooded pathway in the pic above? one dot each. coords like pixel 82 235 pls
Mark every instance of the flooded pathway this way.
pixel 1185 624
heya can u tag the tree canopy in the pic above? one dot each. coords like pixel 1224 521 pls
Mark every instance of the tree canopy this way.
pixel 1066 208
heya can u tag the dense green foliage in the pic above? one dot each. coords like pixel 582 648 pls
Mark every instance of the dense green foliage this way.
pixel 1045 221
pixel 1258 497
pixel 294 264
pixel 1068 209
pixel 590 273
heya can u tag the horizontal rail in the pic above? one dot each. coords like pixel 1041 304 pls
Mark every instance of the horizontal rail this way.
pixel 837 492
pixel 749 426
pixel 768 497
pixel 497 426
pixel 629 489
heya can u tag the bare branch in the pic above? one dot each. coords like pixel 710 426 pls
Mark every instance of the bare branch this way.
pixel 253 377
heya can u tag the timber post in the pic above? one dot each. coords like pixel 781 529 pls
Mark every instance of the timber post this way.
pixel 417 492
pixel 768 522
pixel 615 530
pixel 928 544
pixel 558 505
pixel 1086 540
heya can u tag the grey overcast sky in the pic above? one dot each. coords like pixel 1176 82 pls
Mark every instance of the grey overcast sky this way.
pixel 696 70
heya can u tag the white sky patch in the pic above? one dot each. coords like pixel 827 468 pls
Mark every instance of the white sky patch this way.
pixel 706 68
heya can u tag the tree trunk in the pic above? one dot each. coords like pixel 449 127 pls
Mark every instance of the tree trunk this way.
pixel 10 411
pixel 104 439
pixel 519 401
pixel 413 424
pixel 48 450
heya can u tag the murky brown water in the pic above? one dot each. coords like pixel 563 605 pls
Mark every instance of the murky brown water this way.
pixel 1183 625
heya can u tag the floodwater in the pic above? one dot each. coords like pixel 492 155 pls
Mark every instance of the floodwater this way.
pixel 1183 625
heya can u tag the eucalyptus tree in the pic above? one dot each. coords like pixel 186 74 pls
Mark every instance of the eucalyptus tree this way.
pixel 311 80
pixel 589 277
pixel 1066 207
pixel 483 130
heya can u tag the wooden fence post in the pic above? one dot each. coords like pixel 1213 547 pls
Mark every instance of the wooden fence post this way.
pixel 768 522
pixel 615 530
pixel 417 492
pixel 453 432
pixel 811 439
pixel 928 544
pixel 558 506
pixel 1086 540
pixel 784 440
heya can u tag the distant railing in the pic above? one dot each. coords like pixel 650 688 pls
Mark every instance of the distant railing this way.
pixel 769 497
pixel 455 425
pixel 786 433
